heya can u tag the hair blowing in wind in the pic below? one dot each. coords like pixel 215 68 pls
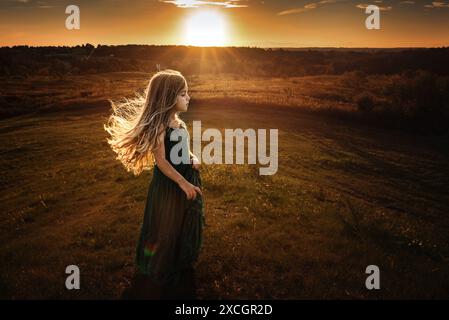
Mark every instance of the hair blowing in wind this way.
pixel 135 124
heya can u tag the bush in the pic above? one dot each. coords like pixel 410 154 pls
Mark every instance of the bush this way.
pixel 365 102
pixel 420 98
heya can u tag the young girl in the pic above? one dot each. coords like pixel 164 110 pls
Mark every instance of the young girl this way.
pixel 141 130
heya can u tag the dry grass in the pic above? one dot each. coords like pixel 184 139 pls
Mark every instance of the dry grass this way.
pixel 47 93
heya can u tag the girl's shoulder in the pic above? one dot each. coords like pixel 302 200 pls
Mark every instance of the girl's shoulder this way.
pixel 182 125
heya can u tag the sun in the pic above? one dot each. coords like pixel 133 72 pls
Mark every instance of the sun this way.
pixel 206 29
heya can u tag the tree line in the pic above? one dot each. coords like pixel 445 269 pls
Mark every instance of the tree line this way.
pixel 22 61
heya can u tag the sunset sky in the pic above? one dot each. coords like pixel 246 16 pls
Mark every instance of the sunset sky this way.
pixel 268 23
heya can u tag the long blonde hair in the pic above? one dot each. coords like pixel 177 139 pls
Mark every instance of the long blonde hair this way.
pixel 136 124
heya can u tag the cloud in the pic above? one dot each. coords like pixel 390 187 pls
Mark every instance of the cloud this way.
pixel 27 4
pixel 364 5
pixel 437 4
pixel 407 2
pixel 307 7
pixel 199 3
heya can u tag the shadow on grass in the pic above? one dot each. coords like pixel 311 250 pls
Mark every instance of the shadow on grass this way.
pixel 142 288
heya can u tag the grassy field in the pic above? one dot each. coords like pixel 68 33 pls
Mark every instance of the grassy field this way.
pixel 50 94
pixel 345 196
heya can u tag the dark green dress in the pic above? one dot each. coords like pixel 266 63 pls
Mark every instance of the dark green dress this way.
pixel 171 233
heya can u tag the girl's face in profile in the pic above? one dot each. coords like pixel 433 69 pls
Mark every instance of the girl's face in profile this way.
pixel 183 101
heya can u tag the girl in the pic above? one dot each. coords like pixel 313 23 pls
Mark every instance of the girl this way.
pixel 140 130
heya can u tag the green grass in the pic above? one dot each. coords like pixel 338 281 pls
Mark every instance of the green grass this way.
pixel 345 196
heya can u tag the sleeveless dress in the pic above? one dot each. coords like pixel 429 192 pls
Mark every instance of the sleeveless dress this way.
pixel 171 234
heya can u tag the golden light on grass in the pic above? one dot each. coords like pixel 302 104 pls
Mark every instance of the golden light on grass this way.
pixel 206 28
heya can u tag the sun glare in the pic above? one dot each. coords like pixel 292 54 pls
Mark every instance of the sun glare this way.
pixel 205 29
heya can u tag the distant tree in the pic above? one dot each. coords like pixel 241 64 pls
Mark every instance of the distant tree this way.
pixel 365 102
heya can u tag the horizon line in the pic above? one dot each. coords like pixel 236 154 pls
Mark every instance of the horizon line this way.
pixel 230 46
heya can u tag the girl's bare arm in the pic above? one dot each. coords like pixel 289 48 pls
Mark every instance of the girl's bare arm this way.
pixel 168 170
pixel 194 161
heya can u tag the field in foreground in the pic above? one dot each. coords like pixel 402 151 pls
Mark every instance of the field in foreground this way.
pixel 344 197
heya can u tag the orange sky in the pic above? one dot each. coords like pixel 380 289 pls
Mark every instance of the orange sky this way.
pixel 325 23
